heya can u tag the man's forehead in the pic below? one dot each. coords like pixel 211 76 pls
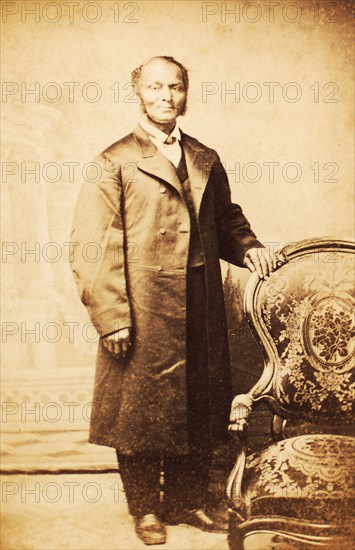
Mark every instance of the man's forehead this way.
pixel 158 68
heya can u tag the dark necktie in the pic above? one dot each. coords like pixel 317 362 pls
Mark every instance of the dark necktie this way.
pixel 170 140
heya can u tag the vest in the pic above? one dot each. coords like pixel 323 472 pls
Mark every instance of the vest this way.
pixel 195 257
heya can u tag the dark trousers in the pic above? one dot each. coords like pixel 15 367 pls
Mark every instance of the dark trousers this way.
pixel 185 478
pixel 181 480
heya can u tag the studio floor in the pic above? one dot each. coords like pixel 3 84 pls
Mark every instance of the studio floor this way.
pixel 80 512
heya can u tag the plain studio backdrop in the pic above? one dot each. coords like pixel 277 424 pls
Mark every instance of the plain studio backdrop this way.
pixel 270 89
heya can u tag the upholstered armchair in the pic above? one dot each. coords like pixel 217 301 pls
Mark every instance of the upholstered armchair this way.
pixel 298 492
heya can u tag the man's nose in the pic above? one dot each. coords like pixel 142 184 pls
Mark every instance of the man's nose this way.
pixel 166 93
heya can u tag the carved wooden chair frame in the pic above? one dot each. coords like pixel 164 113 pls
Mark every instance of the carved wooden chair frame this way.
pixel 242 404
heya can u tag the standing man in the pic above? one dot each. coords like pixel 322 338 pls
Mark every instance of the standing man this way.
pixel 162 216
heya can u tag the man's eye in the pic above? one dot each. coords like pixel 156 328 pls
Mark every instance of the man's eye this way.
pixel 154 87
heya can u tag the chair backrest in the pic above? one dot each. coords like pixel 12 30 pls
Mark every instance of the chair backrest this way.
pixel 302 316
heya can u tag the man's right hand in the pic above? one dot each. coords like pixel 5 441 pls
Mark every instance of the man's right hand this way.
pixel 118 343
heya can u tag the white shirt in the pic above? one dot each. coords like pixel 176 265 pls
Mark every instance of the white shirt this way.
pixel 172 151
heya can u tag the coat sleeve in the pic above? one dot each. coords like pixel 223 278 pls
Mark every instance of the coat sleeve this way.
pixel 98 250
pixel 235 235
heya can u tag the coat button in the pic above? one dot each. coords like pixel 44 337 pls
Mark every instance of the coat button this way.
pixel 162 230
pixel 159 268
pixel 162 190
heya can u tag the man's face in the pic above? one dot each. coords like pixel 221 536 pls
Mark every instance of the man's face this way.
pixel 162 91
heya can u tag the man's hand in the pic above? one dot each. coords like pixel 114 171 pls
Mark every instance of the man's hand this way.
pixel 118 343
pixel 260 260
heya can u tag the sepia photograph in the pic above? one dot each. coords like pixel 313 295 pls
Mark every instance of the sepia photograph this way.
pixel 177 266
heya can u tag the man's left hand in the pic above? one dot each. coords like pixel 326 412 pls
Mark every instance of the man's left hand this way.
pixel 261 260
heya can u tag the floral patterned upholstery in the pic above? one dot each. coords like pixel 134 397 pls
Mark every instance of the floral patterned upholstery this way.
pixel 306 309
pixel 300 489
pixel 308 476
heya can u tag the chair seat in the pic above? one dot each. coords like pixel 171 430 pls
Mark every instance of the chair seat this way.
pixel 306 477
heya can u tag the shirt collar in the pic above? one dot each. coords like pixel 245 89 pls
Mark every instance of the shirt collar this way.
pixel 158 134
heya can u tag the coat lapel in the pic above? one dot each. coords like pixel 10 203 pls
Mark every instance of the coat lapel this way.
pixel 198 162
pixel 153 161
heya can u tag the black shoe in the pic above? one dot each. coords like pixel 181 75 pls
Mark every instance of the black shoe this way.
pixel 199 519
pixel 150 529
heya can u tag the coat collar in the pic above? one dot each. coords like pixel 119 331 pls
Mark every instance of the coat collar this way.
pixel 199 161
pixel 153 161
pixel 158 134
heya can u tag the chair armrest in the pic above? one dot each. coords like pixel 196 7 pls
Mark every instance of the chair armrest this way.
pixel 240 411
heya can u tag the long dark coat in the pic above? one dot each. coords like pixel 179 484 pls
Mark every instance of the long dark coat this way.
pixel 131 242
